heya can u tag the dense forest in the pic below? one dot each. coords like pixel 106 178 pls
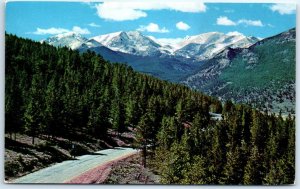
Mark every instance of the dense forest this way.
pixel 59 92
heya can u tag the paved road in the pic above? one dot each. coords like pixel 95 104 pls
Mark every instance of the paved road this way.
pixel 65 171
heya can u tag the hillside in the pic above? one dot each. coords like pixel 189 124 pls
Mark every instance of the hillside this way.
pixel 56 97
pixel 262 75
pixel 165 68
pixel 65 97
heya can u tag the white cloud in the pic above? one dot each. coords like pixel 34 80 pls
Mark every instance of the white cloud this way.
pixel 79 30
pixel 135 9
pixel 152 27
pixel 250 22
pixel 284 8
pixel 94 25
pixel 54 31
pixel 182 26
pixel 234 33
pixel 224 21
pixel 118 14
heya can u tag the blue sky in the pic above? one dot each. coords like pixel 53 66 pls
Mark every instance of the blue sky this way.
pixel 169 19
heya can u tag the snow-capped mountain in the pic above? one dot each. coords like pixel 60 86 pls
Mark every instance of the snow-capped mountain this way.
pixel 88 44
pixel 69 39
pixel 132 42
pixel 229 74
pixel 198 47
pixel 168 59
pixel 205 46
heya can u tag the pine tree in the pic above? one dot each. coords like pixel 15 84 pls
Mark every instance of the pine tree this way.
pixel 115 115
pixel 277 174
pixel 13 108
pixel 217 155
pixel 143 133
pixel 98 122
pixel 166 135
pixel 130 113
pixel 232 173
pixel 175 164
pixel 195 172
pixel 33 115
pixel 253 170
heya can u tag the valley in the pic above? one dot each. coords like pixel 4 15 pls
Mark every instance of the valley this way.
pixel 170 62
pixel 54 95
pixel 136 92
pixel 207 62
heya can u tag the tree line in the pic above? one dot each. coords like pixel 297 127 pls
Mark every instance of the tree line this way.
pixel 59 92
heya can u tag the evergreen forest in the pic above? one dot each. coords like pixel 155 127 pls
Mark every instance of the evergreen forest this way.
pixel 58 92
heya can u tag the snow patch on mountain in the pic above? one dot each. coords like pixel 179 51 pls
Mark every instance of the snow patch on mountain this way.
pixel 205 46
pixel 132 42
pixel 107 38
pixel 198 47
pixel 70 39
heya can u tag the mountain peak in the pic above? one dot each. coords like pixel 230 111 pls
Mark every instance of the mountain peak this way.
pixel 206 45
pixel 69 39
pixel 233 68
pixel 106 38
pixel 134 32
pixel 68 34
pixel 199 47
pixel 131 42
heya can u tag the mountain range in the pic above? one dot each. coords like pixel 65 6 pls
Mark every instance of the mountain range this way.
pixel 198 47
pixel 245 69
pixel 148 55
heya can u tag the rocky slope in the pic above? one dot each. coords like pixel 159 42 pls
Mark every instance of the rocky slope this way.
pixel 262 75
pixel 207 45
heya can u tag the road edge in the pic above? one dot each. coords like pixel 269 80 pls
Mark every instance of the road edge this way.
pixel 98 174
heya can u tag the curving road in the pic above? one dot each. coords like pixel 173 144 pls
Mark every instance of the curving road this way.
pixel 67 170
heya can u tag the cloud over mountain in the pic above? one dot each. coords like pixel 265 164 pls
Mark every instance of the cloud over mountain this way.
pixel 123 10
pixel 182 26
pixel 225 21
pixel 152 27
pixel 54 31
pixel 284 8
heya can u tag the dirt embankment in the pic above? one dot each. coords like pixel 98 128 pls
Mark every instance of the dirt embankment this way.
pixel 131 171
pixel 124 170
pixel 23 157
pixel 99 174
